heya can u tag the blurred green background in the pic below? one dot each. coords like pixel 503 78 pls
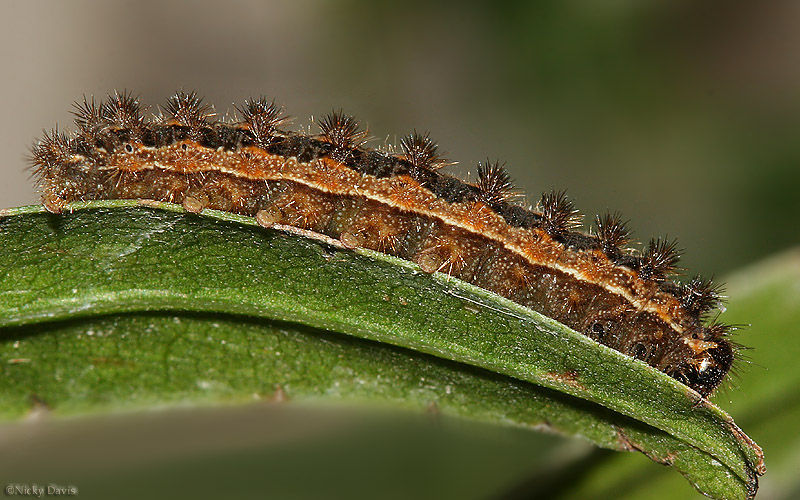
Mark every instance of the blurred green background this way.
pixel 682 115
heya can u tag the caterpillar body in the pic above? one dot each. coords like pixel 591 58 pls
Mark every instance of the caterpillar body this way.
pixel 400 203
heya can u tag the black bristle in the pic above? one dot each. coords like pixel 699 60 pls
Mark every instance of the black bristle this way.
pixel 613 232
pixel 558 213
pixel 660 259
pixel 421 151
pixel 717 330
pixel 188 109
pixel 53 149
pixel 122 110
pixel 342 130
pixel 494 183
pixel 261 116
pixel 88 117
pixel 699 295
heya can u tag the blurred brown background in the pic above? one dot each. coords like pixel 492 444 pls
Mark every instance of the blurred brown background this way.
pixel 683 115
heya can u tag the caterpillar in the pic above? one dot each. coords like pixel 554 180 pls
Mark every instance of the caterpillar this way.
pixel 399 202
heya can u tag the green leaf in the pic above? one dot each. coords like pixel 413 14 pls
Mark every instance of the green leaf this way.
pixel 242 309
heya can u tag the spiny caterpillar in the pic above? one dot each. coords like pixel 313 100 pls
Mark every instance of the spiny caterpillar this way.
pixel 399 203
